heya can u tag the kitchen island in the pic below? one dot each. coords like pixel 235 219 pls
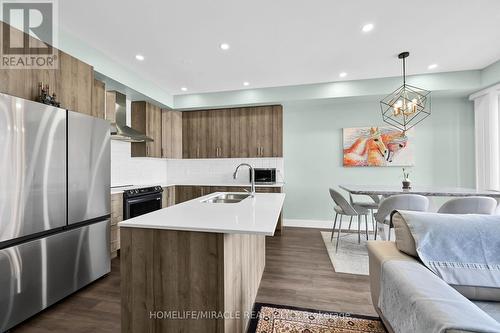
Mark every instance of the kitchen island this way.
pixel 196 266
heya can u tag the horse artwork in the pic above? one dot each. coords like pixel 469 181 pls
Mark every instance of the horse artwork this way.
pixel 377 146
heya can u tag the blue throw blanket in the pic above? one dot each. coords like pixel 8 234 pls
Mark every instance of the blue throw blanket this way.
pixel 461 249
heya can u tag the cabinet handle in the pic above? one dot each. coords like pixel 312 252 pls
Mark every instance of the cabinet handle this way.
pixel 147 151
pixel 162 153
pixel 261 151
pixel 198 151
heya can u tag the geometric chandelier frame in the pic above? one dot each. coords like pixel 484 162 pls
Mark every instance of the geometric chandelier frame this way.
pixel 406 106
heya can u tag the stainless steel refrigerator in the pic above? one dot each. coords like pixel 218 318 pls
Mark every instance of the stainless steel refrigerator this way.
pixel 54 205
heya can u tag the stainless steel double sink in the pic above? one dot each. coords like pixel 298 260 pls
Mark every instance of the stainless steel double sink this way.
pixel 227 198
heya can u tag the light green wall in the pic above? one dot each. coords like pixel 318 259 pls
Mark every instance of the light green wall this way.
pixel 444 150
pixel 491 74
pixel 462 82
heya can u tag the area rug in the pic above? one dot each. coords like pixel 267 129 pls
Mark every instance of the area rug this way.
pixel 273 318
pixel 351 257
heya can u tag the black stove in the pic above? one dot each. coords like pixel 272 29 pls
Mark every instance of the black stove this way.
pixel 139 201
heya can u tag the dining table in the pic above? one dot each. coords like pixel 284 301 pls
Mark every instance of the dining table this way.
pixel 428 191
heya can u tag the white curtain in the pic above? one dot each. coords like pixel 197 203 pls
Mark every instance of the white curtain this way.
pixel 487 127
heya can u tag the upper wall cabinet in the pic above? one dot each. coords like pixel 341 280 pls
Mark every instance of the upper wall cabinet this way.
pixel 98 99
pixel 257 131
pixel 110 110
pixel 72 81
pixel 219 133
pixel 236 132
pixel 146 118
pixel 194 134
pixel 171 134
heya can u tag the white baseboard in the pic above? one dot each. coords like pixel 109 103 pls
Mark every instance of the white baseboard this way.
pixel 325 224
pixel 321 224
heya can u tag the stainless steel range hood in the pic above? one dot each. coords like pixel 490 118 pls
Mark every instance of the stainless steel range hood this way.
pixel 119 130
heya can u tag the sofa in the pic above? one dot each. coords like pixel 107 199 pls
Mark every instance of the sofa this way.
pixel 410 297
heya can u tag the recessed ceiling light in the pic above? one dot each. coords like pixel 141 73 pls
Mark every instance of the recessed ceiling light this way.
pixel 184 89
pixel 368 27
pixel 432 66
pixel 224 46
pixel 139 57
pixel 246 83
pixel 343 74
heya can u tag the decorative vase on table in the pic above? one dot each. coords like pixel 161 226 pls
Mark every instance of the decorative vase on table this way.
pixel 406 180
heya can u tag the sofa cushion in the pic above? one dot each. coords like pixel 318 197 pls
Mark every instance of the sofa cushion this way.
pixel 491 308
pixel 404 239
pixel 463 250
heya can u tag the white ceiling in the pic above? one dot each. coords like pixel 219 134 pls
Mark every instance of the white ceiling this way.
pixel 284 42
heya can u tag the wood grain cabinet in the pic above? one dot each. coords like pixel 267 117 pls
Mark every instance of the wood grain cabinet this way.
pixel 185 193
pixel 98 99
pixel 219 133
pixel 171 134
pixel 116 216
pixel 195 134
pixel 72 81
pixel 168 197
pixel 236 132
pixel 257 132
pixel 110 106
pixel 146 118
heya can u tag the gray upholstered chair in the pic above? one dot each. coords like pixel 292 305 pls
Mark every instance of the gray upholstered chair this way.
pixel 342 207
pixel 370 205
pixel 413 202
pixel 469 205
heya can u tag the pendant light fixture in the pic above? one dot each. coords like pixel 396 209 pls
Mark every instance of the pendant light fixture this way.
pixel 406 106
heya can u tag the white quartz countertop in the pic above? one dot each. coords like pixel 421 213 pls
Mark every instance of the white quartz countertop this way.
pixel 257 215
pixel 120 189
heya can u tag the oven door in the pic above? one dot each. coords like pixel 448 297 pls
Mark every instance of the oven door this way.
pixel 137 206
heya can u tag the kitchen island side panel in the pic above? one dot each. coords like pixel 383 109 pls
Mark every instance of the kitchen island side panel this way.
pixel 244 261
pixel 170 273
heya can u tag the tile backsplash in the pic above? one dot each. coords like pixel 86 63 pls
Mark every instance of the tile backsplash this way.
pixel 126 170
pixel 218 170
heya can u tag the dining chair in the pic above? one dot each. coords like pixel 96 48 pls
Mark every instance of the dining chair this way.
pixel 370 205
pixel 343 208
pixel 469 205
pixel 414 202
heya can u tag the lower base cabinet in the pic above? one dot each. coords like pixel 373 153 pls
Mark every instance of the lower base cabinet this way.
pixel 116 216
pixel 168 197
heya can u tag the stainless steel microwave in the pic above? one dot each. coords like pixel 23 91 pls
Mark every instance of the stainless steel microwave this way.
pixel 264 176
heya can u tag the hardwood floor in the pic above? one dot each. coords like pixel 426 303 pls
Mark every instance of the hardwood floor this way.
pixel 298 273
